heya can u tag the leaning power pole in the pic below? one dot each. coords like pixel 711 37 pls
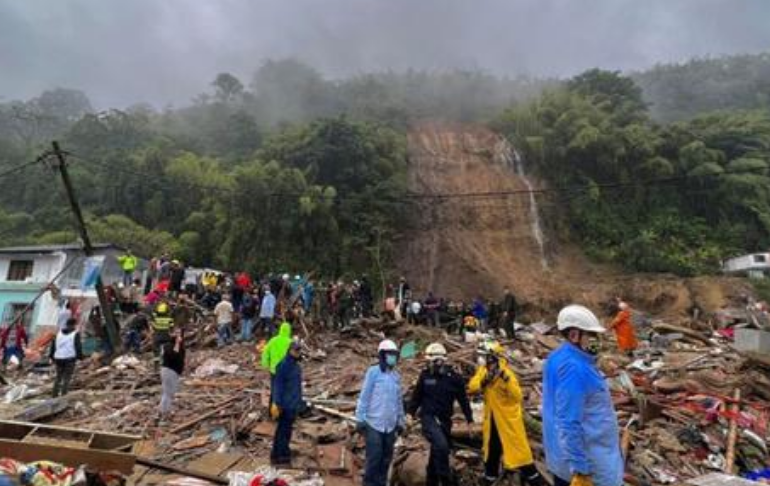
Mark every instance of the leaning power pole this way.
pixel 104 303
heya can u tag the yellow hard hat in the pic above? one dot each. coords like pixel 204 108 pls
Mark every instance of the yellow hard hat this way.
pixel 162 308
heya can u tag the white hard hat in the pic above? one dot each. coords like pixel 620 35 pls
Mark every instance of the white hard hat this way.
pixel 388 346
pixel 578 317
pixel 623 306
pixel 285 276
pixel 435 351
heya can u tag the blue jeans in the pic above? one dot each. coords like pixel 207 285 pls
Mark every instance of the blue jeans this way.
pixel 11 351
pixel 246 324
pixel 379 454
pixel 224 334
pixel 281 453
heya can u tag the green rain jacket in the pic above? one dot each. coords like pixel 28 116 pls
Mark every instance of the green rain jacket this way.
pixel 277 348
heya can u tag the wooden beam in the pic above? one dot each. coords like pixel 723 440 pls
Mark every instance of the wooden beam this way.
pixel 220 407
pixel 178 470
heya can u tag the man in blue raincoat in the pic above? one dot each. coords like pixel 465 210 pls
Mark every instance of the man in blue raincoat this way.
pixel 580 428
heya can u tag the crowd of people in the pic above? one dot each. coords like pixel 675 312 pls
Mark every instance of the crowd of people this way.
pixel 579 427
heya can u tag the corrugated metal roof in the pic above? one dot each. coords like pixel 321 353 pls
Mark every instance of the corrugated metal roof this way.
pixel 55 248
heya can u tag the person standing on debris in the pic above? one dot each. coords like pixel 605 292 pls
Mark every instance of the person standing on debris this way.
pixel 172 367
pixel 480 312
pixel 162 323
pixel 624 329
pixel 508 312
pixel 134 330
pixel 66 350
pixel 432 305
pixel 224 312
pixel 580 427
pixel 275 351
pixel 286 403
pixel 505 438
pixel 13 339
pixel 248 313
pixel 128 263
pixel 438 387
pixel 267 312
pixel 184 311
pixel 380 413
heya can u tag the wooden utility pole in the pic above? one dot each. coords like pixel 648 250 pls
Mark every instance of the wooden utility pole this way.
pixel 88 249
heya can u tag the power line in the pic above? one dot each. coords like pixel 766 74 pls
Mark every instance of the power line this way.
pixel 20 167
pixel 409 196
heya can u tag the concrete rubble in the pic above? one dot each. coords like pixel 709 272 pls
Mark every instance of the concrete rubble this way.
pixel 689 404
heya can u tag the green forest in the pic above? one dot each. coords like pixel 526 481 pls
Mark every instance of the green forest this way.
pixel 293 171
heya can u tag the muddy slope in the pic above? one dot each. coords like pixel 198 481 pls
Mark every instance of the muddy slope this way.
pixel 476 245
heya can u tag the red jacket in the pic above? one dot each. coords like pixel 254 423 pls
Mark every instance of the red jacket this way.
pixel 21 336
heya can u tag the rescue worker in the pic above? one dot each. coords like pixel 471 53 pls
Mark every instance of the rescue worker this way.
pixel 66 350
pixel 128 263
pixel 505 438
pixel 224 314
pixel 580 428
pixel 624 329
pixel 275 351
pixel 172 367
pixel 161 325
pixel 437 389
pixel 380 413
pixel 286 403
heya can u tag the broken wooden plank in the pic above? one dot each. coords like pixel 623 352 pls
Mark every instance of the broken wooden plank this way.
pixel 179 470
pixel 218 408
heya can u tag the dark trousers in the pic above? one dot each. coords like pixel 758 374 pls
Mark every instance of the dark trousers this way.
pixel 529 473
pixel 281 452
pixel 438 435
pixel 379 454
pixel 133 342
pixel 557 481
pixel 65 368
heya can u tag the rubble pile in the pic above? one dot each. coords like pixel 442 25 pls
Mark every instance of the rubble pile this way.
pixel 688 404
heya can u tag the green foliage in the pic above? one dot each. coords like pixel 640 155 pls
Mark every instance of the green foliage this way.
pixel 682 91
pixel 671 198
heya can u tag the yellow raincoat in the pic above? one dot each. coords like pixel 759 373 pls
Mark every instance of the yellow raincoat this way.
pixel 503 399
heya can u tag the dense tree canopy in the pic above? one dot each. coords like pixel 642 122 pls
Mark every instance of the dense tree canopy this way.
pixel 291 170
pixel 658 198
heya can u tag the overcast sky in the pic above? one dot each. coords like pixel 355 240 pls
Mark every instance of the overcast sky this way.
pixel 166 51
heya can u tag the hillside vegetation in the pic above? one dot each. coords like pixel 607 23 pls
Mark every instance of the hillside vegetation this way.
pixel 295 171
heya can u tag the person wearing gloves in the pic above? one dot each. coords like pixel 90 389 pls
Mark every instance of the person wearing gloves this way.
pixel 580 428
pixel 275 350
pixel 286 403
pixel 505 438
pixel 438 387
pixel 380 413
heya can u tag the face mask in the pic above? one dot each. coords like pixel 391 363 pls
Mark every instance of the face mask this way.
pixel 437 366
pixel 391 360
pixel 593 347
